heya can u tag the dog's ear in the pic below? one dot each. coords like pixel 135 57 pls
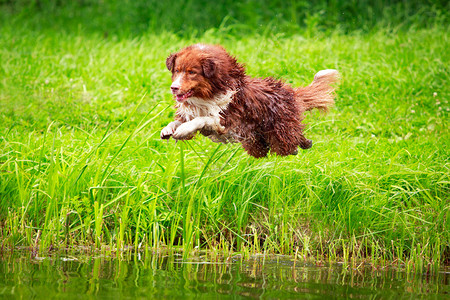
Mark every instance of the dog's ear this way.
pixel 170 61
pixel 209 68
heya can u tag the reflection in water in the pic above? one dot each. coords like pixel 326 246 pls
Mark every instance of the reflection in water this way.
pixel 169 277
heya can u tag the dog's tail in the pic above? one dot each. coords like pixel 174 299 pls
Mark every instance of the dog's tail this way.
pixel 320 93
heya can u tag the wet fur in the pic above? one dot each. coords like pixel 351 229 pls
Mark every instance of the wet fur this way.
pixel 263 114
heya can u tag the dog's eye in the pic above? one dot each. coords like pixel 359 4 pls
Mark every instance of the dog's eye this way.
pixel 191 72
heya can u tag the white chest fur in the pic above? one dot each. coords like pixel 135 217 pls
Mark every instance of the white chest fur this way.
pixel 196 107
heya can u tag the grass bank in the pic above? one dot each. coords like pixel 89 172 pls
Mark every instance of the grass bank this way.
pixel 81 162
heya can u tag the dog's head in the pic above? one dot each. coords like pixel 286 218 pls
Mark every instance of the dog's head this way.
pixel 201 71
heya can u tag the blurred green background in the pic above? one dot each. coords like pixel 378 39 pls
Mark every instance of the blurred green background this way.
pixel 188 17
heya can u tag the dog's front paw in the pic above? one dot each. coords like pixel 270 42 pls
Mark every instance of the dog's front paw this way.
pixel 167 132
pixel 184 132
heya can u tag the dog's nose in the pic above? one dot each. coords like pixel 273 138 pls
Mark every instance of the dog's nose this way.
pixel 175 89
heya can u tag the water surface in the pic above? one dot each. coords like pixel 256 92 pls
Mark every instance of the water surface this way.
pixel 24 275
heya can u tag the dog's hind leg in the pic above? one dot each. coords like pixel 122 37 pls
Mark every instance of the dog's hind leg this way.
pixel 285 138
pixel 305 143
pixel 256 147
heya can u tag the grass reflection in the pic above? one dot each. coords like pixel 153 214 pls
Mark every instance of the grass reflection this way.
pixel 24 275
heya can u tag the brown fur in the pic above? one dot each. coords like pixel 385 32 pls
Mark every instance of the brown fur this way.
pixel 263 114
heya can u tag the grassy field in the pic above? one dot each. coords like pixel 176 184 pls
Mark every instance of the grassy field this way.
pixel 81 162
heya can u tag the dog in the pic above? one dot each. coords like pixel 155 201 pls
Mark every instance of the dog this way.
pixel 215 97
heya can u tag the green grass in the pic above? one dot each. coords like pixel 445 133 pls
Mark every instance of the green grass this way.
pixel 81 162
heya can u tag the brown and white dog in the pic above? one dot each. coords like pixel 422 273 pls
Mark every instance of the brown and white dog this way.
pixel 215 97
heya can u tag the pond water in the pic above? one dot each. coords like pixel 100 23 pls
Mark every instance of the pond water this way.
pixel 168 276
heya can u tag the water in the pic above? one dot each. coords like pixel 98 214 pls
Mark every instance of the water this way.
pixel 160 276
